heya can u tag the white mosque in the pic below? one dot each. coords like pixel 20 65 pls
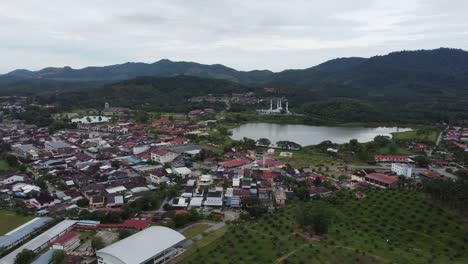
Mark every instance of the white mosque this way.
pixel 279 110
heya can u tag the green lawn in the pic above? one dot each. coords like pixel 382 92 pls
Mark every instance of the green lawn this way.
pixel 9 220
pixel 393 150
pixel 195 230
pixel 383 227
pixel 4 166
pixel 200 245
pixel 425 136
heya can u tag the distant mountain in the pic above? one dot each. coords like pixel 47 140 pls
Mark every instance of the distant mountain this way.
pixel 409 86
pixel 162 68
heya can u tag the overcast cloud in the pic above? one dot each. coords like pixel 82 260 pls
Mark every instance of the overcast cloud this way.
pixel 245 35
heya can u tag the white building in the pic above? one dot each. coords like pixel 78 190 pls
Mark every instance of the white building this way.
pixel 92 119
pixel 156 244
pixel 205 180
pixel 214 197
pixel 163 156
pixel 401 169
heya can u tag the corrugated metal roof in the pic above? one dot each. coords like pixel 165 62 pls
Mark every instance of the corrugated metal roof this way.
pixel 40 240
pixel 23 231
pixel 142 246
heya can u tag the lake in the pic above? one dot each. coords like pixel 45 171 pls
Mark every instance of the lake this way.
pixel 311 135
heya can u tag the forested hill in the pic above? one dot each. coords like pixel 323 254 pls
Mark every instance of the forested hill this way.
pixel 149 93
pixel 130 70
pixel 409 86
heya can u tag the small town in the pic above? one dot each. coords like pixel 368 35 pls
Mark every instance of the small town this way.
pixel 233 132
pixel 110 184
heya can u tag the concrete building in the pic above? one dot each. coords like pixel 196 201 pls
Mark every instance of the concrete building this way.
pixel 68 241
pixel 156 245
pixel 163 156
pixel 402 170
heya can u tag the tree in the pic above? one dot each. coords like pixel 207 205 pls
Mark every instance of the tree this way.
pixel 97 243
pixel 315 217
pixel 124 233
pixel 289 145
pixel 264 142
pixel 422 161
pixel 82 202
pixel 354 145
pixel 382 141
pixel 25 257
pixel 142 117
pixel 12 161
pixel 59 257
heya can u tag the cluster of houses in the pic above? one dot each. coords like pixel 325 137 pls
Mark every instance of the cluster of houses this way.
pixel 458 136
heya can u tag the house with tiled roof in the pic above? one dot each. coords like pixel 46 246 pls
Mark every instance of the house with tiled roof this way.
pixel 381 180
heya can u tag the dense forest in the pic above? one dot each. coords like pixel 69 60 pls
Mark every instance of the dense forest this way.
pixel 407 86
pixel 147 93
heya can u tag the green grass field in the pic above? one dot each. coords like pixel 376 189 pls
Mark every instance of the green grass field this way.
pixel 195 230
pixel 4 166
pixel 426 136
pixel 383 227
pixel 9 220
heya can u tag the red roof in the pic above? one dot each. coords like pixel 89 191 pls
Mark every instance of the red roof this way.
pixel 178 140
pixel 267 175
pixel 431 174
pixel 66 237
pixel 391 158
pixel 136 223
pixel 161 152
pixel 319 190
pixel 161 121
pixel 233 163
pixel 382 178
pixel 270 163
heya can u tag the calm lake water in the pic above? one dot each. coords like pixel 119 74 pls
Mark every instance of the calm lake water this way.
pixel 310 135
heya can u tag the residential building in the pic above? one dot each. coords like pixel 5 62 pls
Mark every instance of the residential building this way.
pixel 280 196
pixel 163 155
pixel 401 169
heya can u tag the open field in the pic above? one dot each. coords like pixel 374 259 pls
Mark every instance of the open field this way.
pixel 4 166
pixel 383 227
pixel 393 149
pixel 195 230
pixel 9 220
pixel 425 136
pixel 201 245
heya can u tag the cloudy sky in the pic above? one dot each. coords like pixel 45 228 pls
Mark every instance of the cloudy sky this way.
pixel 251 34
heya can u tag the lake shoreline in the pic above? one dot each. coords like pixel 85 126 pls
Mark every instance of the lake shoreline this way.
pixel 307 135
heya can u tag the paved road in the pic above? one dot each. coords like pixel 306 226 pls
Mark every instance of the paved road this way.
pixel 439 138
pixel 214 226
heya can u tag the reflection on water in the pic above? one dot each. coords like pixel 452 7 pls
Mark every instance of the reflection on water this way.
pixel 310 135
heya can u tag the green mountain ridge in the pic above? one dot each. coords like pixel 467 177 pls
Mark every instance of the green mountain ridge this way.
pixel 406 86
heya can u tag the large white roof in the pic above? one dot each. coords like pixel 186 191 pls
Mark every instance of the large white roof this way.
pixel 141 246
pixel 40 240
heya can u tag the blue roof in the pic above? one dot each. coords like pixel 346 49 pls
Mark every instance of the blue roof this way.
pixel 23 231
pixel 45 258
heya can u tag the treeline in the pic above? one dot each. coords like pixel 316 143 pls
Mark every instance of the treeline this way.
pixel 148 93
pixel 452 194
